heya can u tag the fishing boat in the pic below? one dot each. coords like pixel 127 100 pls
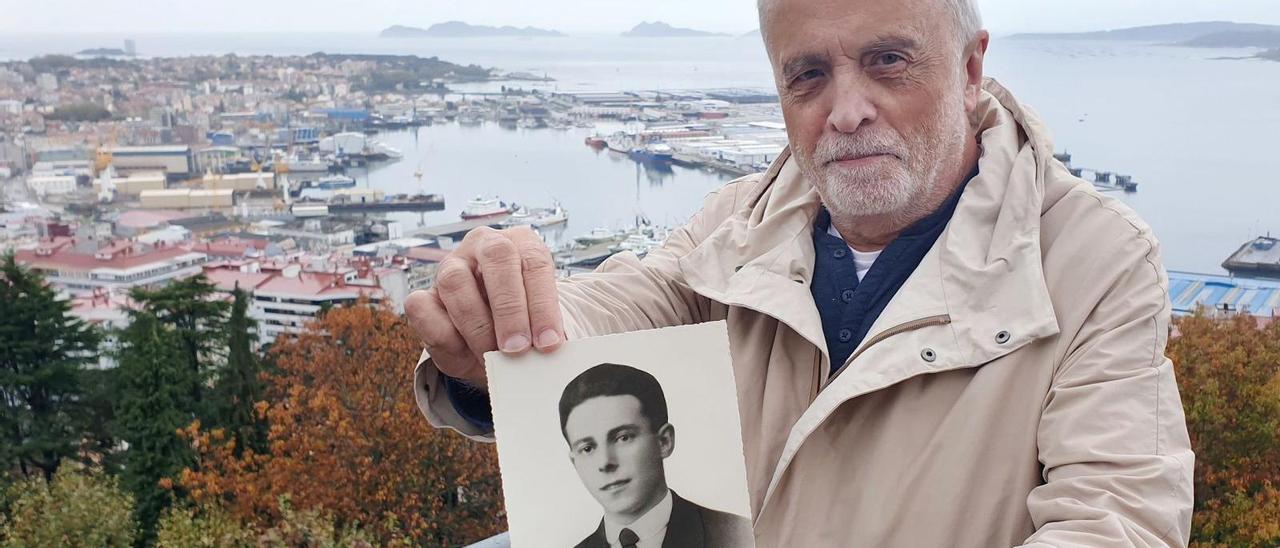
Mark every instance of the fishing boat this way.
pixel 657 153
pixel 538 217
pixel 599 236
pixel 331 182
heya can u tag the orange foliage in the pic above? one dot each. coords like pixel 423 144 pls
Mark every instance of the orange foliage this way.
pixel 346 437
pixel 1229 377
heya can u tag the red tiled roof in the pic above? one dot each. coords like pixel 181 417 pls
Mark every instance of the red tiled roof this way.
pixel 66 257
pixel 230 247
pixel 227 278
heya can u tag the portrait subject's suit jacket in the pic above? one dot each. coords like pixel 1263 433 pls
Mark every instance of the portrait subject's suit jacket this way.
pixel 691 526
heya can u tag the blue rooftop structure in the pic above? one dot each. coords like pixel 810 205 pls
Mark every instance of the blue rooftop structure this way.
pixel 1258 297
pixel 344 114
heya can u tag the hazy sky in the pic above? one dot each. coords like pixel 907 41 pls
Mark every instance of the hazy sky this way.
pixel 1001 16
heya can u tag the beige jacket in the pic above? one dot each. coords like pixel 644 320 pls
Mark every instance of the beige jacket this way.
pixel 1015 391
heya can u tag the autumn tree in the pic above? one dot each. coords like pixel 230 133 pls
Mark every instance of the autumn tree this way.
pixel 44 357
pixel 346 438
pixel 154 404
pixel 1227 371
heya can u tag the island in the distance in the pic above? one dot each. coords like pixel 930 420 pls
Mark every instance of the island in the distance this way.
pixel 1208 34
pixel 459 29
pixel 104 52
pixel 1202 34
pixel 658 29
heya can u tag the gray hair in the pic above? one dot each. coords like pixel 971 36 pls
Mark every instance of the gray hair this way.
pixel 964 13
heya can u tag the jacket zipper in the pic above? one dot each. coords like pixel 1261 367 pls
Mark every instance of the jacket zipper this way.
pixel 824 380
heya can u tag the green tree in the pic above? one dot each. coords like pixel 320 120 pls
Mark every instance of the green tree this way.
pixel 79 507
pixel 44 352
pixel 240 385
pixel 207 526
pixel 198 315
pixel 155 388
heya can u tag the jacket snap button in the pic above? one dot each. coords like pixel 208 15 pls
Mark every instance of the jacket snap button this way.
pixel 1002 337
pixel 928 355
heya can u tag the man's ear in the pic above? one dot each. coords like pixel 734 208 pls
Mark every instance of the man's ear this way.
pixel 974 55
pixel 667 439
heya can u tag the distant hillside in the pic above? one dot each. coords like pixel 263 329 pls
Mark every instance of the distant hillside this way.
pixel 1271 54
pixel 458 29
pixel 1174 33
pixel 105 52
pixel 1236 39
pixel 658 29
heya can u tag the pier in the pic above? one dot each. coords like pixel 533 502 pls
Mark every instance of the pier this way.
pixel 455 231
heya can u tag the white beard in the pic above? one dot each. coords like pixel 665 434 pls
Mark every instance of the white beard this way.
pixel 893 185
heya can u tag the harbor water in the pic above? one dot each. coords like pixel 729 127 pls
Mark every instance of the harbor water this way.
pixel 1199 133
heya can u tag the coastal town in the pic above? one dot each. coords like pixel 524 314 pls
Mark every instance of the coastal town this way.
pixel 125 173
pixel 122 172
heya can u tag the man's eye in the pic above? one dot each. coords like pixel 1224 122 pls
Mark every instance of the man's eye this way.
pixel 888 59
pixel 586 449
pixel 625 437
pixel 808 75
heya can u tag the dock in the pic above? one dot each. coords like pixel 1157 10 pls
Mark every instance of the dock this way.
pixel 585 257
pixel 455 231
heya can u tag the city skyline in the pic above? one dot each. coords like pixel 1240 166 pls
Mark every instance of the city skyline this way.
pixel 730 16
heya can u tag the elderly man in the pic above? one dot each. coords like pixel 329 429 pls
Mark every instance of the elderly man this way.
pixel 940 337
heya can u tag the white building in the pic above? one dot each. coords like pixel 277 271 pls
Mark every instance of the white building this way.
pixel 47 82
pixel 45 185
pixel 120 266
pixel 286 297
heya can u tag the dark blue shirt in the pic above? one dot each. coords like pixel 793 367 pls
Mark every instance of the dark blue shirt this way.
pixel 848 307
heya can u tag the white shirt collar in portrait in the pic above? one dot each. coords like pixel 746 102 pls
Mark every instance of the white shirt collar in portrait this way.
pixel 651 527
pixel 862 260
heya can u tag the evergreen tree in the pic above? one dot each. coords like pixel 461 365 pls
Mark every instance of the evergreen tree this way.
pixel 153 404
pixel 44 352
pixel 240 385
pixel 198 316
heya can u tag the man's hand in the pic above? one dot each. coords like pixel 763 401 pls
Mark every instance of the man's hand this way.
pixel 496 291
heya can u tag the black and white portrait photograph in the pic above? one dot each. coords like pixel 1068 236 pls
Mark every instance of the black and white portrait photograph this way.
pixel 625 441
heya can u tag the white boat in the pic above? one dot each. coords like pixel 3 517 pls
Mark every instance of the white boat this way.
pixel 641 241
pixel 295 164
pixel 481 207
pixel 358 144
pixel 551 217
pixel 599 236
pixel 538 217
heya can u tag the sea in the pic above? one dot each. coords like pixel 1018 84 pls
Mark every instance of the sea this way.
pixel 1198 129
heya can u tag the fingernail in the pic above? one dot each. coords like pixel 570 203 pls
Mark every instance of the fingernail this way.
pixel 515 343
pixel 548 339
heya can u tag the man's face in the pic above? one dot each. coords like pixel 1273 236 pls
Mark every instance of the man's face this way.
pixel 618 455
pixel 875 98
